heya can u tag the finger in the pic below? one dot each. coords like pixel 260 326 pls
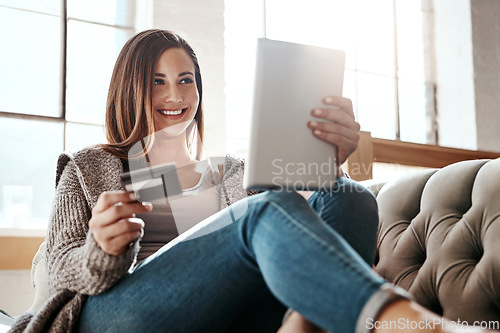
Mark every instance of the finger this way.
pixel 123 210
pixel 123 226
pixel 345 146
pixel 110 198
pixel 342 103
pixel 120 244
pixel 113 238
pixel 342 142
pixel 331 127
pixel 336 116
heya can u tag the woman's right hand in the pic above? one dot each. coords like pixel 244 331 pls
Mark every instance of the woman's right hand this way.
pixel 113 223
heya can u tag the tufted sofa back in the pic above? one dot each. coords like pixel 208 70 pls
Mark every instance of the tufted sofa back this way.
pixel 439 238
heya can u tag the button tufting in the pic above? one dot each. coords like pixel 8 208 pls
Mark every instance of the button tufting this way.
pixel 439 238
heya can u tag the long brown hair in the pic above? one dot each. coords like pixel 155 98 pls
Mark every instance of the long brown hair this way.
pixel 129 110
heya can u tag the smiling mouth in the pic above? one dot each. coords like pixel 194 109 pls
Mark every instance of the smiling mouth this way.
pixel 172 112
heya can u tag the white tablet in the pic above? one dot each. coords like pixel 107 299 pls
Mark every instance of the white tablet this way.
pixel 291 80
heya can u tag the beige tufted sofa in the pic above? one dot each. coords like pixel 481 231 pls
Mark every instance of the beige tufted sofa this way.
pixel 439 238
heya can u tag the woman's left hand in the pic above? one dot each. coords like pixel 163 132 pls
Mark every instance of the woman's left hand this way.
pixel 340 128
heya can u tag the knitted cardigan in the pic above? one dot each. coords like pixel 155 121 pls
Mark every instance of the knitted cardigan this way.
pixel 77 266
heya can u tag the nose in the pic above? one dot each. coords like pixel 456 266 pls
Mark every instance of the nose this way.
pixel 173 94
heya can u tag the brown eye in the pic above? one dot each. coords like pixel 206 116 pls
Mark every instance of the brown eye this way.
pixel 186 80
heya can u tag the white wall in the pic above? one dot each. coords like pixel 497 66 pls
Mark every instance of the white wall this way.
pixel 467 45
pixel 454 74
pixel 244 24
pixel 485 17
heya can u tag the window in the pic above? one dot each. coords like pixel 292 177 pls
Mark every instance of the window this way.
pixel 388 74
pixel 55 66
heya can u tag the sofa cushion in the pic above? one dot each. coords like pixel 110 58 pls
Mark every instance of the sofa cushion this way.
pixel 439 238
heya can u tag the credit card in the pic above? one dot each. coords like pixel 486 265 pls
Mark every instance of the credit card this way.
pixel 153 183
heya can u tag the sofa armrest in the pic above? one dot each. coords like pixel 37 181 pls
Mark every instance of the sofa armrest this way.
pixel 6 321
pixel 374 185
pixel 39 278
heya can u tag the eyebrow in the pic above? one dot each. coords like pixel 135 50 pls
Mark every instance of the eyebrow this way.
pixel 181 74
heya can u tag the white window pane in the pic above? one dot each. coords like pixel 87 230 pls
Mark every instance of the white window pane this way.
pixel 376 105
pixel 79 136
pixel 29 63
pixel 45 6
pixel 375 27
pixel 29 153
pixel 92 52
pixel 326 23
pixel 412 112
pixel 244 24
pixel 114 12
pixel 410 40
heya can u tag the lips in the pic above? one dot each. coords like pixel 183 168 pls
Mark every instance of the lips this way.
pixel 172 113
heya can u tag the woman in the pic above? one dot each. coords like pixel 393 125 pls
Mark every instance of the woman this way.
pixel 237 270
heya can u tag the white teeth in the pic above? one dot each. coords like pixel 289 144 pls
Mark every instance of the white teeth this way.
pixel 171 113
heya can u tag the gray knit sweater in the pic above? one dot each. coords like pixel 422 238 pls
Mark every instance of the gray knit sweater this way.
pixel 77 266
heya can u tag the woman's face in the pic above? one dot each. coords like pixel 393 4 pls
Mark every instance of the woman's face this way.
pixel 175 95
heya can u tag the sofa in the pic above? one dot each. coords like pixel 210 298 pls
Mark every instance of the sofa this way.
pixel 439 238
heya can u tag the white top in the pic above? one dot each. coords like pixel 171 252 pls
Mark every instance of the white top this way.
pixel 174 215
pixel 197 202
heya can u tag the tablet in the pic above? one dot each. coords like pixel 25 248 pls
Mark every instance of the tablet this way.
pixel 291 80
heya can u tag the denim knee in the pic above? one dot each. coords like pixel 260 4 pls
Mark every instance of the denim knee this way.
pixel 282 197
pixel 351 186
pixel 289 202
pixel 351 210
pixel 352 193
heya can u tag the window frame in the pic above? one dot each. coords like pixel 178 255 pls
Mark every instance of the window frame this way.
pixel 62 118
pixel 64 20
pixel 431 129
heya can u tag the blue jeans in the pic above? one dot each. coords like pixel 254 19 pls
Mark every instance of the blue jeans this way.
pixel 314 257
